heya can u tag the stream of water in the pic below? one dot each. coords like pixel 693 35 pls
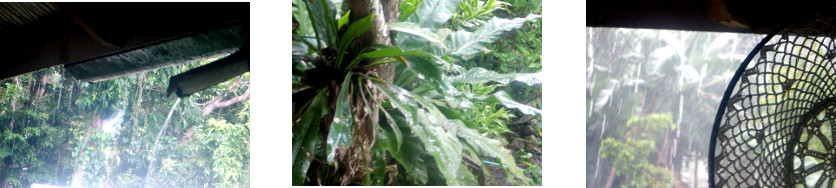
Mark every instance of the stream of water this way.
pixel 157 142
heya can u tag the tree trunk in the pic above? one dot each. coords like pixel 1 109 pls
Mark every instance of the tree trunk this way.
pixel 611 177
pixel 95 126
pixel 359 152
pixel 384 11
pixel 59 167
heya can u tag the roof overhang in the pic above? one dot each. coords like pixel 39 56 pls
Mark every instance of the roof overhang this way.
pixel 97 41
pixel 739 16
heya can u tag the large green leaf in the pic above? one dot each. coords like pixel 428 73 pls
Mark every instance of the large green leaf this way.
pixel 466 177
pixel 506 100
pixel 433 129
pixel 430 14
pixel 464 44
pixel 427 68
pixel 414 29
pixel 379 159
pixel 396 132
pixel 403 75
pixel 354 30
pixel 300 12
pixel 475 156
pixel 343 20
pixel 441 145
pixel 305 30
pixel 407 8
pixel 410 150
pixel 479 75
pixel 452 113
pixel 340 132
pixel 410 157
pixel 485 146
pixel 305 134
pixel 391 52
pixel 300 67
pixel 428 65
pixel 323 24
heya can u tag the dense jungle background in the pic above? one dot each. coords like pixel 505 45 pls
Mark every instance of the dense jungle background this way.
pixel 447 93
pixel 60 131
pixel 652 96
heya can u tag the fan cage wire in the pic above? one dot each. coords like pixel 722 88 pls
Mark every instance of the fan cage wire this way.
pixel 722 108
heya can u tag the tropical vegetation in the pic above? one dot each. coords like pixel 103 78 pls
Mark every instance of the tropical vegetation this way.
pixel 651 97
pixel 423 102
pixel 123 132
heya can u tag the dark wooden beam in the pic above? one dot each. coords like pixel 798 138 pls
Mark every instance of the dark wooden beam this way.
pixel 192 48
pixel 699 15
pixel 59 39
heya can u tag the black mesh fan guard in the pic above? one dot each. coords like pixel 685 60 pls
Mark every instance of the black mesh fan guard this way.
pixel 776 130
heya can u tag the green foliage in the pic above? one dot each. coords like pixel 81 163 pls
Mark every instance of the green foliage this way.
pixel 632 72
pixel 480 75
pixel 631 156
pixel 343 20
pixel 319 13
pixel 300 15
pixel 459 44
pixel 654 123
pixel 431 14
pixel 306 119
pixel 407 7
pixel 415 29
pixel 61 127
pixel 340 132
pixel 535 171
pixel 354 31
pixel 428 64
pixel 406 153
pixel 473 12
pixel 516 51
pixel 433 130
pixel 486 117
pixel 305 135
pixel 442 99
pixel 487 147
pixel 231 155
pixel 421 122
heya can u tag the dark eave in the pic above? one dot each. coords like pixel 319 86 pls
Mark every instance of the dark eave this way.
pixel 98 34
pixel 746 16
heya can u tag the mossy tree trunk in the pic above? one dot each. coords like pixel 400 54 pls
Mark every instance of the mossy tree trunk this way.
pixel 358 155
